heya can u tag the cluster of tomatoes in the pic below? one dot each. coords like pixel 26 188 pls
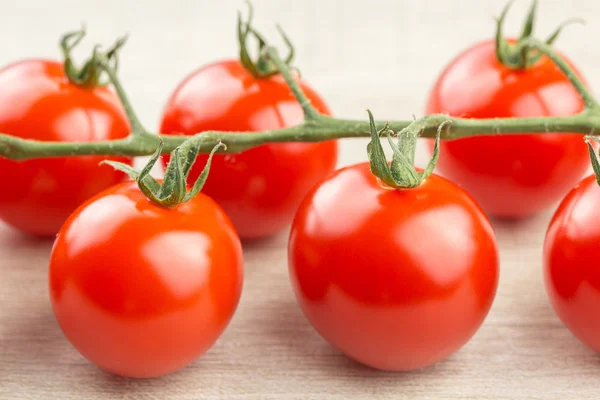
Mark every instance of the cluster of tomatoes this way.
pixel 397 279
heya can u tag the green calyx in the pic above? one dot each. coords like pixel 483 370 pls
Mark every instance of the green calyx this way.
pixel 262 66
pixel 593 157
pixel 401 172
pixel 516 55
pixel 173 189
pixel 90 74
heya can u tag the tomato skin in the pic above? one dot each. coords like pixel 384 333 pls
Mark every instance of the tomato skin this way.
pixel 395 279
pixel 141 290
pixel 513 175
pixel 261 188
pixel 38 102
pixel 571 253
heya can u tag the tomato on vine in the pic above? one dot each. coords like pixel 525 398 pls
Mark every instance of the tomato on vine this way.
pixel 261 188
pixel 513 175
pixel 143 286
pixel 40 101
pixel 395 278
pixel 571 253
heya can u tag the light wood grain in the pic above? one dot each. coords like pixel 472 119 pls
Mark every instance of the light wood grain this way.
pixel 269 351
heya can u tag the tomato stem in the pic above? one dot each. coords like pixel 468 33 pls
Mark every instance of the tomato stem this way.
pixel 322 129
pixel 310 113
pixel 136 126
pixel 543 48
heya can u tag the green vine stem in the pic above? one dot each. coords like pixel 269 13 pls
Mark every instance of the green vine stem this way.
pixel 136 126
pixel 309 111
pixel 315 127
pixel 22 149
pixel 544 48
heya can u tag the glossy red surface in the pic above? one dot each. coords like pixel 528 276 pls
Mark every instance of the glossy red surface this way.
pixel 512 175
pixel 571 254
pixel 141 290
pixel 395 279
pixel 260 189
pixel 38 102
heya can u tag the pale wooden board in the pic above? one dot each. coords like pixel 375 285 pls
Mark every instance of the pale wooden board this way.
pixel 269 351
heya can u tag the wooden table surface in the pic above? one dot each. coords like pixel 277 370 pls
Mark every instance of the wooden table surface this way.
pixel 269 351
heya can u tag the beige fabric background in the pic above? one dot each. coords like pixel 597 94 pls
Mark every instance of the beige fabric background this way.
pixel 378 54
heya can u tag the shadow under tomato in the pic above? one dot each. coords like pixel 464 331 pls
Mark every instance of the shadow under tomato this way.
pixel 171 383
pixel 14 238
pixel 519 222
pixel 536 333
pixel 277 240
pixel 306 350
pixel 36 347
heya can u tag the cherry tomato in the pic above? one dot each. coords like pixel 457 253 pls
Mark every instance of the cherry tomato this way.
pixel 395 279
pixel 513 175
pixel 571 253
pixel 141 290
pixel 260 189
pixel 37 101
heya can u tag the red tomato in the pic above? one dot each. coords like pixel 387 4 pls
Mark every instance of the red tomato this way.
pixel 510 176
pixel 395 279
pixel 260 189
pixel 571 254
pixel 37 101
pixel 141 290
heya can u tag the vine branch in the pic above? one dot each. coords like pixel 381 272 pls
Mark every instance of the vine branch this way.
pixel 309 111
pixel 586 95
pixel 136 126
pixel 321 130
pixel 315 128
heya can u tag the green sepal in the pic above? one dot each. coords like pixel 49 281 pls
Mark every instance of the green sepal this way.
pixel 190 150
pixel 128 169
pixel 593 156
pixel 145 176
pixel 519 55
pixel 147 184
pixel 286 39
pixel 173 190
pixel 400 173
pixel 89 75
pixel 174 186
pixel 529 21
pixel 403 170
pixel 199 184
pixel 111 55
pixel 243 31
pixel 147 181
pixel 379 165
pixel 554 35
pixel 68 42
pixel 262 67
pixel 436 152
pixel 502 46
